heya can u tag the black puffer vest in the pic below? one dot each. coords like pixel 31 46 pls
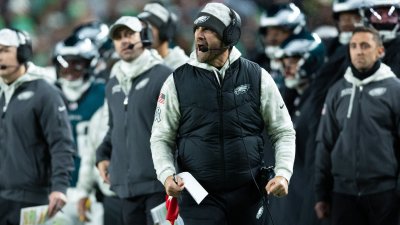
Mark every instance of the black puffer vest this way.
pixel 220 133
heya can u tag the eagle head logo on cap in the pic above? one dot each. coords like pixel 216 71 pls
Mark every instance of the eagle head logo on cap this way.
pixel 201 19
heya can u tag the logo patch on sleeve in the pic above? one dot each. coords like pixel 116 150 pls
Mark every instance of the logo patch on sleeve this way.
pixel 161 98
pixel 157 116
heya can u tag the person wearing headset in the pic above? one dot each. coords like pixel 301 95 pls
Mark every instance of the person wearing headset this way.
pixel 163 25
pixel 214 109
pixel 36 144
pixel 124 156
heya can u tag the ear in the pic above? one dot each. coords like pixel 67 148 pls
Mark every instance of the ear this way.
pixel 381 52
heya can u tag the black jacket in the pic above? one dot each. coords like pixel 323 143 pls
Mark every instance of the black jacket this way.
pixel 36 144
pixel 359 134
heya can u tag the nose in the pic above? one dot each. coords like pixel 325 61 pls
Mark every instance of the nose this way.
pixel 125 39
pixel 199 32
pixel 358 50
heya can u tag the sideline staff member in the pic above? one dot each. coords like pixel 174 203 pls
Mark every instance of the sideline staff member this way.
pixel 357 161
pixel 124 156
pixel 36 145
pixel 214 110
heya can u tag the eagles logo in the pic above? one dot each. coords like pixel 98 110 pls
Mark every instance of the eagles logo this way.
pixel 201 19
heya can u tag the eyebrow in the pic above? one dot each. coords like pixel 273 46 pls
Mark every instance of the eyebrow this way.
pixel 352 44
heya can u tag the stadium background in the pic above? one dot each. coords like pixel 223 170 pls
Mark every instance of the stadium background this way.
pixel 49 21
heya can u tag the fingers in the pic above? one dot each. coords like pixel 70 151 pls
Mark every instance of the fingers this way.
pixel 320 214
pixel 173 187
pixel 106 177
pixel 322 209
pixel 57 200
pixel 103 170
pixel 278 186
pixel 51 211
pixel 83 208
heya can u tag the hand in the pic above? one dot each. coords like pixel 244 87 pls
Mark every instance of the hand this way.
pixel 57 200
pixel 173 187
pixel 84 207
pixel 103 169
pixel 278 186
pixel 322 209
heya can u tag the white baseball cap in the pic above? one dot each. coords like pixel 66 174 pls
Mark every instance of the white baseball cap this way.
pixel 131 22
pixel 9 37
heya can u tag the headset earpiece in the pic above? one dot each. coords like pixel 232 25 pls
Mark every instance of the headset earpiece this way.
pixel 24 50
pixel 146 34
pixel 232 32
pixel 168 29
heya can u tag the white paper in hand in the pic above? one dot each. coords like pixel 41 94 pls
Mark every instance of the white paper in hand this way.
pixel 193 186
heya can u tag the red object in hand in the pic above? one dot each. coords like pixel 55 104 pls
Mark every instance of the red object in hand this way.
pixel 172 208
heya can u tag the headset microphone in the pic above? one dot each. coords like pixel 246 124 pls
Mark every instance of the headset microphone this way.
pixel 4 67
pixel 206 49
pixel 131 46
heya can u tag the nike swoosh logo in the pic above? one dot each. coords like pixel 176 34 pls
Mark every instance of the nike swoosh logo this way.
pixel 281 107
pixel 61 108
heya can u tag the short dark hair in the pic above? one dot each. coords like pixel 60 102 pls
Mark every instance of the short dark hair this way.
pixel 374 32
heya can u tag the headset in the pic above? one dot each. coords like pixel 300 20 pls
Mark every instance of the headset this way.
pixel 168 29
pixel 24 50
pixel 232 32
pixel 146 35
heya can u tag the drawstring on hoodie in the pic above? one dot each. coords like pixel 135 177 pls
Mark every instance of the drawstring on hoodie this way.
pixel 353 93
pixel 381 73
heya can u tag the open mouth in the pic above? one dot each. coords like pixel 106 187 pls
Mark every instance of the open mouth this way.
pixel 202 48
pixel 127 49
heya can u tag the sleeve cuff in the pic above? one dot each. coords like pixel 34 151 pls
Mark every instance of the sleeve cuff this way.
pixel 61 189
pixel 163 176
pixel 283 173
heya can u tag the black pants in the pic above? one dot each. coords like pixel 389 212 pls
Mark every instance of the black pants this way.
pixel 237 207
pixel 136 210
pixel 10 211
pixel 375 209
pixel 112 210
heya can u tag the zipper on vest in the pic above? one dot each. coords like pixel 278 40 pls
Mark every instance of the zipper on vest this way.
pixel 218 78
pixel 221 132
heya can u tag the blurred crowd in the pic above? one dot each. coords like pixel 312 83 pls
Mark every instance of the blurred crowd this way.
pixel 51 21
